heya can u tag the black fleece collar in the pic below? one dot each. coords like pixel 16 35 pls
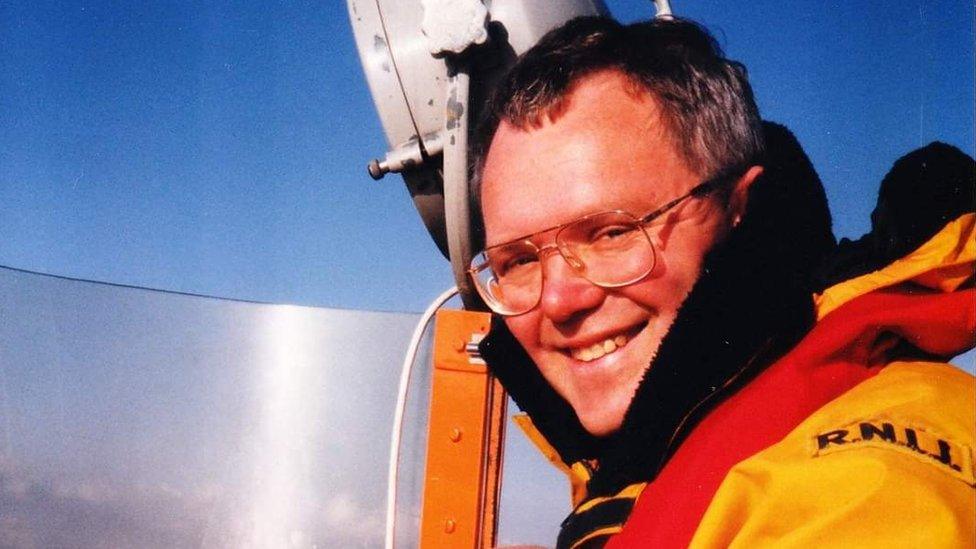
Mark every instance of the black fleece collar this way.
pixel 750 304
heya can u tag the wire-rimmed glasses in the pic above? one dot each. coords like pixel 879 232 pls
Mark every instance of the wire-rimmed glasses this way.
pixel 610 249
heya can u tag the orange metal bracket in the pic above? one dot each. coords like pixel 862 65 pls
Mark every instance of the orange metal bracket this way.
pixel 464 440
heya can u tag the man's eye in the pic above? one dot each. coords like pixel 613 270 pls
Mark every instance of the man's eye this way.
pixel 512 263
pixel 519 262
pixel 611 233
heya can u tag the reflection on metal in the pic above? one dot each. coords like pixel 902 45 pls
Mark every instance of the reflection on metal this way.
pixel 136 418
pixel 291 355
pixel 457 203
pixel 662 9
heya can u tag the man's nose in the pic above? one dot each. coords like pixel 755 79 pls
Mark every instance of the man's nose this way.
pixel 565 292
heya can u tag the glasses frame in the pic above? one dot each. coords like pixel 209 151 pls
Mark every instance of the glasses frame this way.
pixel 698 191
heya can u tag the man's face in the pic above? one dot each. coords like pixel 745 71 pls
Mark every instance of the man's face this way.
pixel 606 150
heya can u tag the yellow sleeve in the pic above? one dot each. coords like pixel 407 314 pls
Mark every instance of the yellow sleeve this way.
pixel 890 465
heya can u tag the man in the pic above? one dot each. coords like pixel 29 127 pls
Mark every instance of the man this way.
pixel 652 251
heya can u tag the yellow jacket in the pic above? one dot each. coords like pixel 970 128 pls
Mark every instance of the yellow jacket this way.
pixel 887 464
pixel 908 483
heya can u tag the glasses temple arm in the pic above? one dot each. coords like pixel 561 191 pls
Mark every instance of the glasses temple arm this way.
pixel 698 191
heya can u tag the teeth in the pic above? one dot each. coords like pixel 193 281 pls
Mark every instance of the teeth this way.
pixel 598 350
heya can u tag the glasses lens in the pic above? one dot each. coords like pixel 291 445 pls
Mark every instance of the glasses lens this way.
pixel 612 247
pixel 609 249
pixel 509 277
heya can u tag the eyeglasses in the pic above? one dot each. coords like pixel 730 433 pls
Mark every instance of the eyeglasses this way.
pixel 610 249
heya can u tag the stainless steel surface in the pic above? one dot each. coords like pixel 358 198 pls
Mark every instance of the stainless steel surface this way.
pixel 135 418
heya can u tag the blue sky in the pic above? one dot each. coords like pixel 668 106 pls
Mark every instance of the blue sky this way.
pixel 220 150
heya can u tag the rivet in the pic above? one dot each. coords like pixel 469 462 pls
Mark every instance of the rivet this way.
pixel 450 526
pixel 460 345
pixel 455 435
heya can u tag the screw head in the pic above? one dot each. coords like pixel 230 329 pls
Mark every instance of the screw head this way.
pixel 456 435
pixel 450 526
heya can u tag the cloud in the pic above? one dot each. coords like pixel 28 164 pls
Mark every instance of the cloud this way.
pixel 365 525
pixel 100 512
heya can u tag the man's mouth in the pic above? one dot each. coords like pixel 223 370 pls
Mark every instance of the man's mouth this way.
pixel 599 349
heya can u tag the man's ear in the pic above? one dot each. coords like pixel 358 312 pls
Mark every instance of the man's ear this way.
pixel 739 195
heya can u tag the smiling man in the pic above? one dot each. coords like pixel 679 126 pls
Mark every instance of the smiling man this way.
pixel 651 250
pixel 610 150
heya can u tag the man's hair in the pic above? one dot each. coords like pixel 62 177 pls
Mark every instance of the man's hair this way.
pixel 706 102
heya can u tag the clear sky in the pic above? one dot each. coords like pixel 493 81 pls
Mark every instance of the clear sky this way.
pixel 220 150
